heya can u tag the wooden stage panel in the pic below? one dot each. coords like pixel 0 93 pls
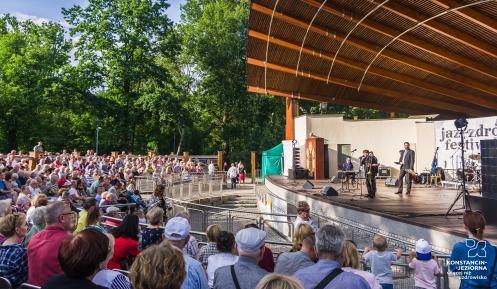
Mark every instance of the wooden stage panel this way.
pixel 425 206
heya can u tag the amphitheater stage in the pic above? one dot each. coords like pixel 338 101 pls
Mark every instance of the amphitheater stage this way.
pixel 419 215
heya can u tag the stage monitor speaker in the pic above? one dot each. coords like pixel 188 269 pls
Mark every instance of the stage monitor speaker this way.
pixel 390 182
pixel 308 185
pixel 329 192
pixel 489 168
pixel 334 180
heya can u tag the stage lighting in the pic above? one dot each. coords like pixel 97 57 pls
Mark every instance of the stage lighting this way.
pixel 461 123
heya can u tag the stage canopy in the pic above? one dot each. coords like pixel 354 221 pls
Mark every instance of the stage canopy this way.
pixel 409 56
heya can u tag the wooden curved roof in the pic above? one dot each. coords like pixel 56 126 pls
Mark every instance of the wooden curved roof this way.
pixel 410 56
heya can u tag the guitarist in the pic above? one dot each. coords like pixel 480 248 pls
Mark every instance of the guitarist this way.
pixel 406 168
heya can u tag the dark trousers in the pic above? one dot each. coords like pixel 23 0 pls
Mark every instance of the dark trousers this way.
pixel 233 183
pixel 371 185
pixel 408 181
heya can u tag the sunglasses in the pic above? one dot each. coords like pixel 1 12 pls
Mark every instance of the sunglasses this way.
pixel 476 212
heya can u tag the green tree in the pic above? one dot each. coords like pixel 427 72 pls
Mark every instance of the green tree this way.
pixel 118 47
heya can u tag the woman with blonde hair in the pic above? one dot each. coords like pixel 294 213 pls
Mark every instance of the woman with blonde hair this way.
pixel 278 281
pixel 351 263
pixel 13 255
pixel 158 267
pixel 302 232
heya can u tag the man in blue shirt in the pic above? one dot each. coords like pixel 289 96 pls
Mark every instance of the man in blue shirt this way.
pixel 177 231
pixel 329 247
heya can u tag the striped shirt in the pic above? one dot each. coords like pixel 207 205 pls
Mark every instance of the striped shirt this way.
pixel 14 264
pixel 111 279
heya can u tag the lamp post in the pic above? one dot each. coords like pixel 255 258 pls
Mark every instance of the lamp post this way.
pixel 96 145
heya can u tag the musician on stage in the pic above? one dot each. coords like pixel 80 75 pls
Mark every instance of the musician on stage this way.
pixel 370 165
pixel 406 168
pixel 348 169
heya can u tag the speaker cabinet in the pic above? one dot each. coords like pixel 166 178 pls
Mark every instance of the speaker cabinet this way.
pixel 308 185
pixel 489 168
pixel 329 191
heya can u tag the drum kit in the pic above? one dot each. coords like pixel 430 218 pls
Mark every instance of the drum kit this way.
pixel 472 171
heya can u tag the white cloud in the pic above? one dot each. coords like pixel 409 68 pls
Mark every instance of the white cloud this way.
pixel 36 19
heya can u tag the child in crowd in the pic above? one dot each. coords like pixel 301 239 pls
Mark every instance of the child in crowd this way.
pixel 425 267
pixel 381 260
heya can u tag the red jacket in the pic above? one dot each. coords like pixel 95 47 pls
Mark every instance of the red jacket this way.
pixel 125 251
pixel 267 262
pixel 42 254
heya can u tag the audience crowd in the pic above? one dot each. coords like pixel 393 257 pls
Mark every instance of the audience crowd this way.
pixel 61 226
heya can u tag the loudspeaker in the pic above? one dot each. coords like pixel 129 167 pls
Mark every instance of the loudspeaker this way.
pixel 489 168
pixel 389 182
pixel 334 180
pixel 329 192
pixel 308 185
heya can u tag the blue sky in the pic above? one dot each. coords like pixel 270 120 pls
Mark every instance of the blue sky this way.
pixel 43 10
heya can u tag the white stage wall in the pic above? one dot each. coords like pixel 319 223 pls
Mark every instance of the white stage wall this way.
pixel 384 137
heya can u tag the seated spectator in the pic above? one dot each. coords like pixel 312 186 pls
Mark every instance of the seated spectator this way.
pixel 153 233
pixel 191 248
pixel 381 261
pixel 329 247
pixel 38 218
pixel 80 257
pixel 425 266
pixel 291 262
pixel 225 246
pixel 267 262
pixel 44 246
pixel 93 219
pixel 277 281
pixel 83 214
pixel 13 256
pixel 109 200
pixel 126 244
pixel 34 188
pixel 109 278
pixel 177 232
pixel 157 199
pixel 211 248
pixel 304 216
pixel 22 204
pixel 5 207
pixel 245 273
pixel 158 267
pixel 112 212
pixel 476 250
pixel 39 201
pixel 351 263
pixel 302 232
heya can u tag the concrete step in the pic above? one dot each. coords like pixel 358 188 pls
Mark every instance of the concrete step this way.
pixel 238 202
pixel 239 206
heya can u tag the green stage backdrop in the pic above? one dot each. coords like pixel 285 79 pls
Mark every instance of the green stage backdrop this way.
pixel 271 161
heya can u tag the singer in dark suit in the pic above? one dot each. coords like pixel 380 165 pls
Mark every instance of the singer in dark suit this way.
pixel 406 163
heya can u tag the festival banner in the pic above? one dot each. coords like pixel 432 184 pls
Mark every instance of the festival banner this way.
pixel 448 140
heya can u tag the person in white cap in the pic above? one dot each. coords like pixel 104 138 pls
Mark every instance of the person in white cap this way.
pixel 177 231
pixel 425 267
pixel 244 274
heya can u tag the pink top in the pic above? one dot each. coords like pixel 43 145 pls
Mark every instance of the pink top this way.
pixel 424 273
pixel 373 283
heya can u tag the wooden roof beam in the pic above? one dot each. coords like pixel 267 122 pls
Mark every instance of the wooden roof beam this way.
pixel 339 101
pixel 442 28
pixel 408 39
pixel 470 13
pixel 368 88
pixel 378 71
pixel 407 60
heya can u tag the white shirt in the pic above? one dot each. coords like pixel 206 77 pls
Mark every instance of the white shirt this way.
pixel 211 168
pixel 369 277
pixel 216 261
pixel 299 221
pixel 73 192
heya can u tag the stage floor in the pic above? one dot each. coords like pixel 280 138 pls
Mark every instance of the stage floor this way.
pixel 425 206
